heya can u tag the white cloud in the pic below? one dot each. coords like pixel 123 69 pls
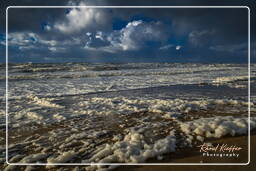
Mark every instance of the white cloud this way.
pixel 136 34
pixel 82 18
pixel 178 47
pixel 52 49
pixel 88 34
pixel 30 41
pixel 48 42
pixel 47 27
pixel 28 38
pixel 22 38
pixel 99 35
pixel 165 47
pixel 168 46
pixel 57 49
pixel 133 36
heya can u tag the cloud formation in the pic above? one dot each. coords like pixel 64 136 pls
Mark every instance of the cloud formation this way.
pixel 128 34
pixel 178 47
pixel 166 47
pixel 137 34
pixel 78 19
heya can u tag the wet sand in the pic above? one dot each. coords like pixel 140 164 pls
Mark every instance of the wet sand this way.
pixel 192 157
pixel 182 155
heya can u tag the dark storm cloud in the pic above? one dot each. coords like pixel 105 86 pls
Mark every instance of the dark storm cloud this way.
pixel 204 34
pixel 31 19
pixel 17 18
pixel 228 24
pixel 198 16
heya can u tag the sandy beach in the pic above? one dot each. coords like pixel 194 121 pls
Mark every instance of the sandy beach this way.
pixel 107 114
pixel 193 157
pixel 117 85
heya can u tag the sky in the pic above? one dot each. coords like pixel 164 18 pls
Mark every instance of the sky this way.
pixel 216 35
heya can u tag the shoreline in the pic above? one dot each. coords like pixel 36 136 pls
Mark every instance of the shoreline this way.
pixel 192 158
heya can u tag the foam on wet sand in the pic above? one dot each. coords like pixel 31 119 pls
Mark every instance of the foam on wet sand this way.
pixel 54 119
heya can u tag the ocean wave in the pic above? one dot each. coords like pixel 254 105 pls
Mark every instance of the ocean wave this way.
pixel 81 78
